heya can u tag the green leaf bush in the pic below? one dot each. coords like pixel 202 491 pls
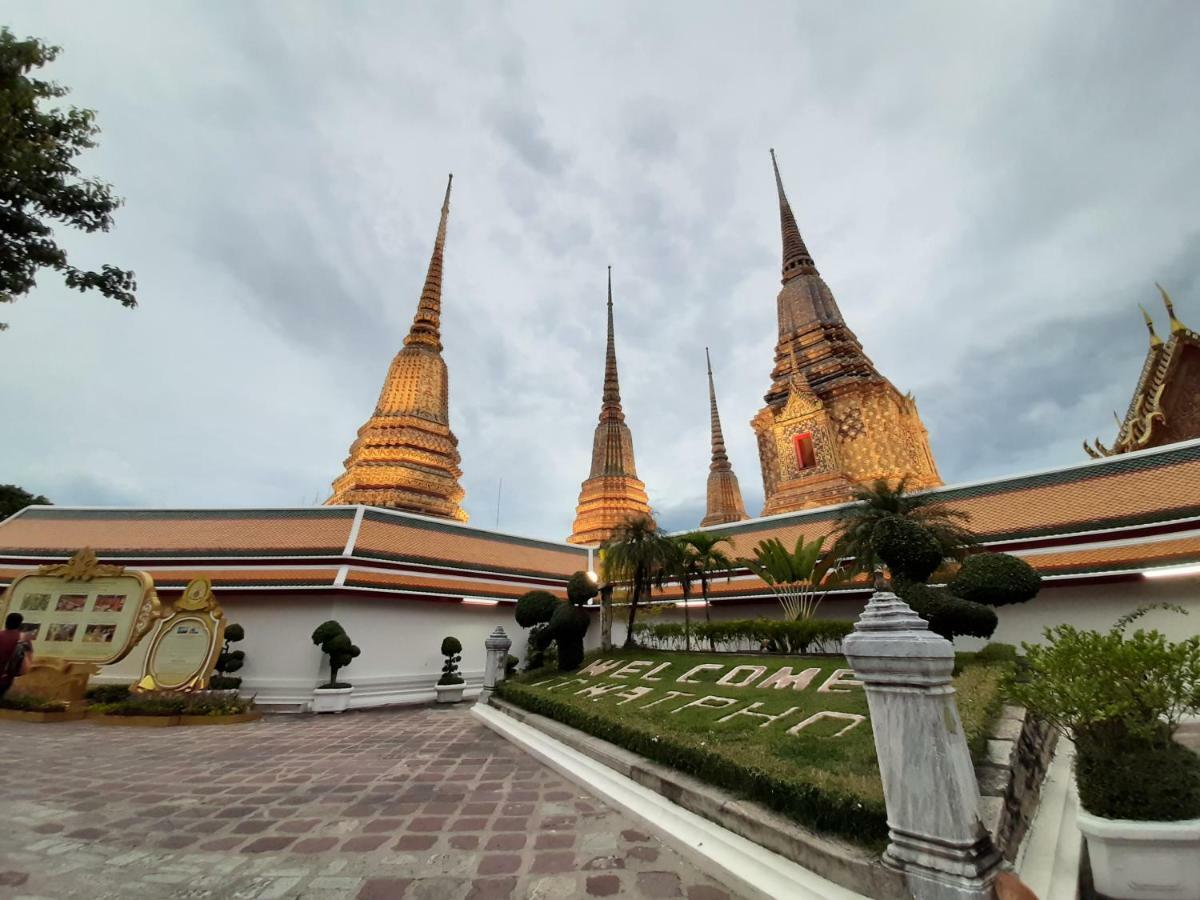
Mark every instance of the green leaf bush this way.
pixel 32 704
pixel 996 579
pixel 107 693
pixel 755 635
pixel 946 614
pixel 175 703
pixel 536 608
pixel 1120 697
pixel 910 551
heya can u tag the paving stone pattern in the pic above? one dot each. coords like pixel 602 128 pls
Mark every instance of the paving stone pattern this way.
pixel 417 803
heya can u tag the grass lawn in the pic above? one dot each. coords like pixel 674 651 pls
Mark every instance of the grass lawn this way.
pixel 814 761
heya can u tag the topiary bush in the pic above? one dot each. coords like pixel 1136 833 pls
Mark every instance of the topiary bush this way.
pixel 567 628
pixel 1124 778
pixel 536 608
pixel 946 614
pixel 911 552
pixel 510 665
pixel 229 661
pixel 996 579
pixel 452 650
pixel 336 644
pixel 581 588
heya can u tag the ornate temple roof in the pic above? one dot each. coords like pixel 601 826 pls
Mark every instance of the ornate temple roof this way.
pixel 405 455
pixel 724 493
pixel 612 492
pixel 1166 401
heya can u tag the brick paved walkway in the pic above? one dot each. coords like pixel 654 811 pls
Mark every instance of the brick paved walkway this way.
pixel 421 803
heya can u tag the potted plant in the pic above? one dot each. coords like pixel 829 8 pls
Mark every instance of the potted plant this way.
pixel 334 643
pixel 229 661
pixel 450 685
pixel 1120 698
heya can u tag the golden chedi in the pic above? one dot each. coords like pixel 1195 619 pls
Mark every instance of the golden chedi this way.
pixel 831 422
pixel 724 493
pixel 612 492
pixel 1165 407
pixel 406 456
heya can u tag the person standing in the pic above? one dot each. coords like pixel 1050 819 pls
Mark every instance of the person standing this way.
pixel 15 652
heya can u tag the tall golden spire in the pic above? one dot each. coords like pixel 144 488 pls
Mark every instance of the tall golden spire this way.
pixel 406 457
pixel 1155 340
pixel 724 493
pixel 831 420
pixel 795 253
pixel 612 492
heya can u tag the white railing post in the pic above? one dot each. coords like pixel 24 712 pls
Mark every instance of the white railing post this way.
pixel 497 646
pixel 936 836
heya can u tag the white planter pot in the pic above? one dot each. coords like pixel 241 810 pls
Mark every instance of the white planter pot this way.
pixel 331 700
pixel 1143 860
pixel 449 693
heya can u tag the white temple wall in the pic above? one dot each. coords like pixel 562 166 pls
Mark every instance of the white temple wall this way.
pixel 400 641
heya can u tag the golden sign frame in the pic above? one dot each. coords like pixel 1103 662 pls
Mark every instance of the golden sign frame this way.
pixel 198 604
pixel 83 567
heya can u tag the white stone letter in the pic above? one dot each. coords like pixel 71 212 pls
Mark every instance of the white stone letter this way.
pixel 657 668
pixel 671 695
pixel 754 673
pixel 632 669
pixel 633 693
pixel 853 718
pixel 596 691
pixel 784 679
pixel 838 683
pixel 703 703
pixel 749 711
pixel 686 678
pixel 600 666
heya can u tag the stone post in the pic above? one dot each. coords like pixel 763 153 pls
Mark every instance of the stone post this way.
pixel 496 646
pixel 936 835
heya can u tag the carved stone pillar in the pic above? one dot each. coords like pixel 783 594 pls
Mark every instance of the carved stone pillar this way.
pixel 497 646
pixel 936 836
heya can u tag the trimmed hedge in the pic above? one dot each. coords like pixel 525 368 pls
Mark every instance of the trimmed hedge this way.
pixel 754 635
pixel 1137 779
pixel 910 551
pixel 946 614
pixel 535 608
pixel 828 811
pixel 996 579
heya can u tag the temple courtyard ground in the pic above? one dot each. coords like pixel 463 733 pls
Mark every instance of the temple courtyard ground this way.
pixel 416 803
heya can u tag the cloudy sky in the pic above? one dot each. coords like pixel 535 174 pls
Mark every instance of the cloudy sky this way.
pixel 989 190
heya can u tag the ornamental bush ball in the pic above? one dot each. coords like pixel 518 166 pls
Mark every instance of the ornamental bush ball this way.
pixel 911 552
pixel 581 588
pixel 996 579
pixel 536 608
pixel 947 615
pixel 568 625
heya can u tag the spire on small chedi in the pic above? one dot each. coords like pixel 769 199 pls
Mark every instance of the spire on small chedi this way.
pixel 795 254
pixel 405 456
pixel 1155 340
pixel 612 492
pixel 1176 325
pixel 724 493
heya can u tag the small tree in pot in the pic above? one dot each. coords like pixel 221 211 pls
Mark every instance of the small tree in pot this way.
pixel 336 644
pixel 450 686
pixel 1120 698
pixel 229 661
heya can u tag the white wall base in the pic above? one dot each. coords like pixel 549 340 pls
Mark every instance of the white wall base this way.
pixel 1049 858
pixel 740 864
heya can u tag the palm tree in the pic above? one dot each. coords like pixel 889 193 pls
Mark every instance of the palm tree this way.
pixel 684 571
pixel 638 554
pixel 707 559
pixel 881 501
pixel 799 578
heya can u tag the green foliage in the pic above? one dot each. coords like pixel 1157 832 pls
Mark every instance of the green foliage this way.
pixel 1120 697
pixel 642 557
pixel 996 579
pixel 1124 778
pixel 857 523
pixel 797 577
pixel 946 614
pixel 741 635
pixel 979 693
pixel 32 704
pixel 229 661
pixel 14 499
pixel 107 693
pixel 335 643
pixel 510 665
pixel 910 551
pixel 172 703
pixel 581 588
pixel 452 650
pixel 42 188
pixel 536 608
pixel 997 653
pixel 569 624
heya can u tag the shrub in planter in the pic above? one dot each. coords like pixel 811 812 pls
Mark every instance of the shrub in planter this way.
pixel 452 650
pixel 229 661
pixel 1120 697
pixel 995 579
pixel 336 644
